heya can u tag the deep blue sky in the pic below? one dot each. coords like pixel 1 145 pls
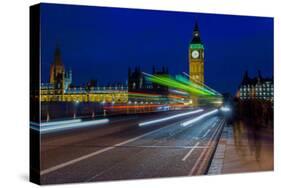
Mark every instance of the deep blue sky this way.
pixel 101 43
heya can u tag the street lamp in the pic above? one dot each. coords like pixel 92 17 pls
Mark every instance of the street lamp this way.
pixel 75 108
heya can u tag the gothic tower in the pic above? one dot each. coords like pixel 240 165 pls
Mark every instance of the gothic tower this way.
pixel 57 73
pixel 57 67
pixel 196 57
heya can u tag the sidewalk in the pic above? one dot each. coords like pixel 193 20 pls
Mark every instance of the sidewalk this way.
pixel 243 149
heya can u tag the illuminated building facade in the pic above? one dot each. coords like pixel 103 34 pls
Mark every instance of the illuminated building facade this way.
pixel 256 88
pixel 59 88
pixel 196 57
pixel 81 94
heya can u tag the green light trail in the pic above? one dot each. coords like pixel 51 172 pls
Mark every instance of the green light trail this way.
pixel 180 83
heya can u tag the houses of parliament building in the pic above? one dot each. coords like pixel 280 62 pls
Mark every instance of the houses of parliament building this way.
pixel 60 87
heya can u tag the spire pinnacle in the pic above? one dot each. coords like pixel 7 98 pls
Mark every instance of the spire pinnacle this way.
pixel 196 34
pixel 57 59
pixel 196 27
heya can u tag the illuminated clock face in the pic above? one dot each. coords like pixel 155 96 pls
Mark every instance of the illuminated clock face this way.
pixel 195 54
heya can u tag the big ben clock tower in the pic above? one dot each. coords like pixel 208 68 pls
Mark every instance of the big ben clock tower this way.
pixel 196 57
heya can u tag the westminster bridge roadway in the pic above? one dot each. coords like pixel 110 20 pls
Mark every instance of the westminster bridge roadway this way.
pixel 166 144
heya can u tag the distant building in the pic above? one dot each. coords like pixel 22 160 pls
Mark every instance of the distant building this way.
pixel 256 88
pixel 138 83
pixel 141 90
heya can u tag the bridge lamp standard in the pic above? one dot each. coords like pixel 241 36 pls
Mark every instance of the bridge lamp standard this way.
pixel 76 103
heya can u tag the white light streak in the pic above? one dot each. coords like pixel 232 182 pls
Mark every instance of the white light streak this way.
pixel 170 117
pixel 60 122
pixel 68 125
pixel 225 109
pixel 199 117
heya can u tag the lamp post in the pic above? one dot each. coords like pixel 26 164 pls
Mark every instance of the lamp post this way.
pixel 76 103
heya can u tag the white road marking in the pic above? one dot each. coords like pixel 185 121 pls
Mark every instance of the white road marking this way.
pixel 206 133
pixel 195 166
pixel 171 147
pixel 190 151
pixel 215 123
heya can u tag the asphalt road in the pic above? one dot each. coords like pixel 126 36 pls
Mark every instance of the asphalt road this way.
pixel 124 150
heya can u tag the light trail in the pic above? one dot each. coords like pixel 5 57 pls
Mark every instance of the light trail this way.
pixel 182 84
pixel 199 117
pixel 67 126
pixel 133 106
pixel 170 117
pixel 178 92
pixel 184 80
pixel 204 85
pixel 139 94
pixel 56 122
pixel 139 106
pixel 225 109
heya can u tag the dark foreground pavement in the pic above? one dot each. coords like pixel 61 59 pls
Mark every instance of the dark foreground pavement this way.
pixel 243 148
pixel 124 150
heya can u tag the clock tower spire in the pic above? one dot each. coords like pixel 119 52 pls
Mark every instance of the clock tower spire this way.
pixel 196 57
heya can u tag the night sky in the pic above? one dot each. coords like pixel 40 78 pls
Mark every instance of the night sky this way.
pixel 101 43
